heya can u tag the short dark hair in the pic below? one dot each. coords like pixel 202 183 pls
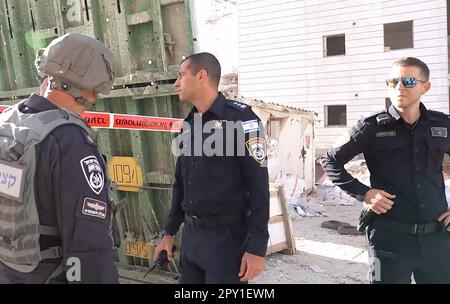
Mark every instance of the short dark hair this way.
pixel 204 61
pixel 414 62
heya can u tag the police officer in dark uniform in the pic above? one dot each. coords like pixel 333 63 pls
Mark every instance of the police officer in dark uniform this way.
pixel 221 189
pixel 71 186
pixel 408 217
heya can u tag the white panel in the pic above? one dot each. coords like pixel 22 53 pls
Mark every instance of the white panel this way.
pixel 277 234
pixel 275 205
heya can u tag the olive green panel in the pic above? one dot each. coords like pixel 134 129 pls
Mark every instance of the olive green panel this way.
pixel 175 29
pixel 110 26
pixel 22 43
pixel 108 143
pixel 5 55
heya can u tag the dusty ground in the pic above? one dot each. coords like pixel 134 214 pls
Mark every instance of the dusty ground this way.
pixel 324 256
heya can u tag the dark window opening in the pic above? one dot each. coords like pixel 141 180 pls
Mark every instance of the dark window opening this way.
pixel 334 45
pixel 336 115
pixel 398 35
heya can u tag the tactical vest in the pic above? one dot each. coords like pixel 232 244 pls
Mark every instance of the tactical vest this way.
pixel 19 221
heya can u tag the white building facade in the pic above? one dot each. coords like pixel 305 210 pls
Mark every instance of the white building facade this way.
pixel 333 56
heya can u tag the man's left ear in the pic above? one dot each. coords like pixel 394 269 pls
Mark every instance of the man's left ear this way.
pixel 202 75
pixel 426 87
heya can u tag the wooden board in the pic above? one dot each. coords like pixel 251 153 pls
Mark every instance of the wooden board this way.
pixel 281 236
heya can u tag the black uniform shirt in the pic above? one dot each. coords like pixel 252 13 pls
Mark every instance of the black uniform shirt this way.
pixel 404 160
pixel 222 183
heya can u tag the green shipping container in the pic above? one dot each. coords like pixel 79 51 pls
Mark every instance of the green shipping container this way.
pixel 148 39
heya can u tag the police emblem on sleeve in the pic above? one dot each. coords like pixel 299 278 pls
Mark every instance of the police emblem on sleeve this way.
pixel 257 148
pixel 93 173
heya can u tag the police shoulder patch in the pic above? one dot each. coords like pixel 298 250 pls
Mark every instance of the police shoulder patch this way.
pixel 94 208
pixel 218 124
pixel 242 107
pixel 373 115
pixel 93 173
pixel 257 148
pixel 438 115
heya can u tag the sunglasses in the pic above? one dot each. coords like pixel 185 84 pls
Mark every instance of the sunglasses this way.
pixel 408 82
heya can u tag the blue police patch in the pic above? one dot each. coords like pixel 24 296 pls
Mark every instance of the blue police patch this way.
pixel 94 208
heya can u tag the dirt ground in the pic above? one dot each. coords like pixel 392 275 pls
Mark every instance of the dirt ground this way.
pixel 324 256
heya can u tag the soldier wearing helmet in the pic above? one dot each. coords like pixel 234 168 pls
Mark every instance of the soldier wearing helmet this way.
pixel 58 230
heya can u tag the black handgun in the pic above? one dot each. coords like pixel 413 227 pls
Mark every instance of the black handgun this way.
pixel 162 261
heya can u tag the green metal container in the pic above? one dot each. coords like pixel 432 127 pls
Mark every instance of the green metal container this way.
pixel 148 38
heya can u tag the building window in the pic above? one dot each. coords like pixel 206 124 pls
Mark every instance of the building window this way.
pixel 336 115
pixel 334 45
pixel 398 35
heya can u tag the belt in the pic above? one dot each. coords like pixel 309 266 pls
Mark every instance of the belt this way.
pixel 214 221
pixel 408 228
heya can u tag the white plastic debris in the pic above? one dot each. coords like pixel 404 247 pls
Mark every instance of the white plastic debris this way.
pixel 305 211
pixel 294 186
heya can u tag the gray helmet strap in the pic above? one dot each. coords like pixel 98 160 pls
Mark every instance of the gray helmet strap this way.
pixel 72 91
pixel 84 102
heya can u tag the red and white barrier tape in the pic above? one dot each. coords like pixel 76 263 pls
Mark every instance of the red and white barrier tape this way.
pixel 104 120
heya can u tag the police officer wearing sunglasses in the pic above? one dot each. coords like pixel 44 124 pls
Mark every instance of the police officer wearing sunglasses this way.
pixel 404 146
